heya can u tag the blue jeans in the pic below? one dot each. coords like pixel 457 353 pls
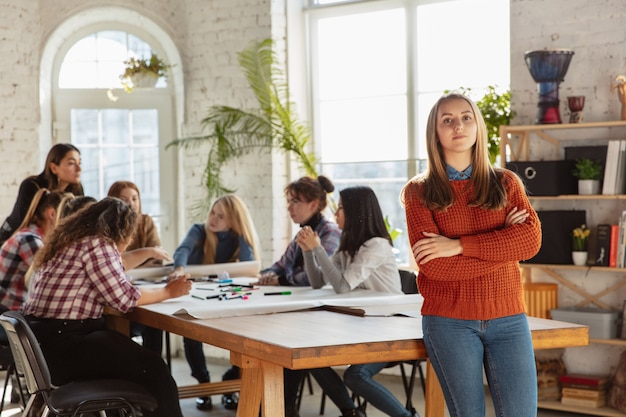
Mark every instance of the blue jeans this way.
pixel 458 351
pixel 359 379
pixel 197 362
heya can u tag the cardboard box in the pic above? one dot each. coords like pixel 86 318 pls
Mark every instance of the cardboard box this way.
pixel 602 323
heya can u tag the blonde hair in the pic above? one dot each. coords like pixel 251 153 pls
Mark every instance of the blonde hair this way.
pixel 489 191
pixel 240 223
pixel 43 200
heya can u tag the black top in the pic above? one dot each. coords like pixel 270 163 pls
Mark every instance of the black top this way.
pixel 25 195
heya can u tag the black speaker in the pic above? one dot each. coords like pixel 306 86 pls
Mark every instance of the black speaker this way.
pixel 556 229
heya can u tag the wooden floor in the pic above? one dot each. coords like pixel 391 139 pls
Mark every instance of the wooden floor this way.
pixel 310 403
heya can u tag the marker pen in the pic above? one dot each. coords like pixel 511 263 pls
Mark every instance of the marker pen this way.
pixel 278 293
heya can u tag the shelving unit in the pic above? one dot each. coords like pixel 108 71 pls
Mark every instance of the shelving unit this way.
pixel 515 143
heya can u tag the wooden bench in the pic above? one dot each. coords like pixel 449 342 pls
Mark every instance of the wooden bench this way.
pixel 207 389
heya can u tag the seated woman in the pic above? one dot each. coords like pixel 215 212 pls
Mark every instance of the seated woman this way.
pixel 365 260
pixel 144 251
pixel 17 253
pixel 307 198
pixel 227 235
pixel 77 273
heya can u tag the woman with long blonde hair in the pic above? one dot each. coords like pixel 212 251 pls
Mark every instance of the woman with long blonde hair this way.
pixel 227 235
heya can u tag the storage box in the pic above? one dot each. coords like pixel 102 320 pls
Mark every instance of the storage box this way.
pixel 556 240
pixel 602 323
pixel 546 177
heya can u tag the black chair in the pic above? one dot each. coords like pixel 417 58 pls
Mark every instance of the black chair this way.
pixel 12 378
pixel 75 398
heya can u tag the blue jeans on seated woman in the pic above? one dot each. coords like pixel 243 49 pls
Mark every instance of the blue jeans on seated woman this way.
pixel 460 349
pixel 359 379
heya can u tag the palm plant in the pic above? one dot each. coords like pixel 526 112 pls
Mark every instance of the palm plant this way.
pixel 234 132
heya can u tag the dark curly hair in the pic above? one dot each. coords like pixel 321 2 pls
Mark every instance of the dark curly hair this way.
pixel 110 218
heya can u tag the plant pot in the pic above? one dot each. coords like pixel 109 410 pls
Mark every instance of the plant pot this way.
pixel 144 80
pixel 579 257
pixel 587 187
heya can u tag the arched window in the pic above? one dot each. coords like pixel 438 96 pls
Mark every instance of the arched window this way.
pixel 121 135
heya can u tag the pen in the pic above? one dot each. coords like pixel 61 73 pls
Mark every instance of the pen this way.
pixel 209 297
pixel 278 293
pixel 197 296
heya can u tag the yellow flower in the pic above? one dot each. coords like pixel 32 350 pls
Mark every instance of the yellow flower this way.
pixel 579 238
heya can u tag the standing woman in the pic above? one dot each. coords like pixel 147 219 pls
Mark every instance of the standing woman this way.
pixel 363 260
pixel 227 235
pixel 77 273
pixel 61 173
pixel 458 217
pixel 306 200
pixel 17 253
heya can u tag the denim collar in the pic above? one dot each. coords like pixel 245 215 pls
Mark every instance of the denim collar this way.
pixel 453 174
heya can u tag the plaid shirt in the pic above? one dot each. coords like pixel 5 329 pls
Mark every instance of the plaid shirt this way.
pixel 79 281
pixel 16 256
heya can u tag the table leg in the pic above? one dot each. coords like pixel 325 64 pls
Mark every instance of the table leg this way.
pixel 435 403
pixel 261 386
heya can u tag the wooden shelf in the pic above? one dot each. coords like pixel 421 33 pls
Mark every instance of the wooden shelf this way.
pixel 579 197
pixel 602 411
pixel 522 151
pixel 575 267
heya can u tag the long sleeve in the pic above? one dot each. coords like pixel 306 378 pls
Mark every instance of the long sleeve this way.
pixel 28 189
pixel 373 267
pixel 485 281
pixel 487 244
pixel 245 250
pixel 291 274
pixel 189 248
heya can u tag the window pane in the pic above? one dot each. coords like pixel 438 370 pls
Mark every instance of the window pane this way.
pixel 116 165
pixel 97 60
pixel 85 127
pixel 362 87
pixel 452 54
pixel 145 126
pixel 378 123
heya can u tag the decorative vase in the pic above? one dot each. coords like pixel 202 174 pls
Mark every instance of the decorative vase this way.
pixel 144 79
pixel 579 257
pixel 586 187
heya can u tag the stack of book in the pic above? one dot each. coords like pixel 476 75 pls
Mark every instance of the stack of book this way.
pixel 583 390
pixel 611 243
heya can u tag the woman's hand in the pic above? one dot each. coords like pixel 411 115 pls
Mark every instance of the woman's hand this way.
pixel 268 278
pixel 307 239
pixel 160 254
pixel 515 216
pixel 178 286
pixel 435 246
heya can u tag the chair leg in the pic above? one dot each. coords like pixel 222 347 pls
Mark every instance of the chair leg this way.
pixel 6 384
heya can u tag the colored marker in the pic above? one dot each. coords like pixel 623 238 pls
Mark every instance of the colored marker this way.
pixel 209 297
pixel 278 293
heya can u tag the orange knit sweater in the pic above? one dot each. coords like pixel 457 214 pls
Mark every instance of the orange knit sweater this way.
pixel 485 281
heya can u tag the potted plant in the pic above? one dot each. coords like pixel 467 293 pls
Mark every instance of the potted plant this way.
pixel 580 236
pixel 588 173
pixel 143 73
pixel 234 132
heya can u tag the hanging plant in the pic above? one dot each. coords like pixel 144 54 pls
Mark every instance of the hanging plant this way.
pixel 143 73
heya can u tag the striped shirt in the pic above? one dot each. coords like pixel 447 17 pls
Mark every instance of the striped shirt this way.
pixel 16 256
pixel 80 281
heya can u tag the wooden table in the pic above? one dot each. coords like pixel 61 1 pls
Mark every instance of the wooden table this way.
pixel 262 345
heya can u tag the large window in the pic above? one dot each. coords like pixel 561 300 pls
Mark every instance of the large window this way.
pixel 378 67
pixel 121 136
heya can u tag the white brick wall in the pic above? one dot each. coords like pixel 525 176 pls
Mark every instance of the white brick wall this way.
pixel 596 33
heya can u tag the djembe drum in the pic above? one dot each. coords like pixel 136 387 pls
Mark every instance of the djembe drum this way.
pixel 548 68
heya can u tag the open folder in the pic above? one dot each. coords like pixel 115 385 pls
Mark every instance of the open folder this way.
pixel 234 269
